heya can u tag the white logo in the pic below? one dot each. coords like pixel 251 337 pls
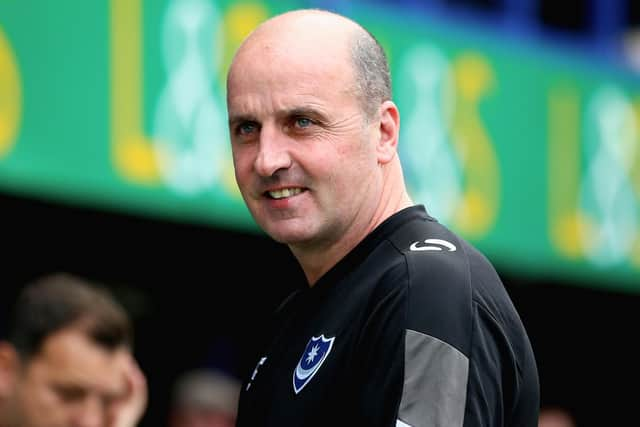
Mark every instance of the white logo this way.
pixel 255 371
pixel 433 245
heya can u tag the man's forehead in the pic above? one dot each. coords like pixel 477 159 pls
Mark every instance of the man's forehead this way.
pixel 287 87
pixel 70 356
pixel 304 25
pixel 299 36
pixel 286 52
pixel 253 109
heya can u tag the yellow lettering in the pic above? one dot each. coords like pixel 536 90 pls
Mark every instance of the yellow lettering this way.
pixel 10 96
pixel 565 221
pixel 479 205
pixel 132 151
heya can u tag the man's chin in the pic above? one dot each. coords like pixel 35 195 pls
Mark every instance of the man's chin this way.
pixel 289 235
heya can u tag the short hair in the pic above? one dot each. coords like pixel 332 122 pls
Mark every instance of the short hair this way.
pixel 60 300
pixel 372 75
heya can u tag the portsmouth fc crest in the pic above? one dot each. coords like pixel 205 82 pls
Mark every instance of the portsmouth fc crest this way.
pixel 314 354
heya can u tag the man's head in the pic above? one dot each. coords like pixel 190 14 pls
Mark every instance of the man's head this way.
pixel 64 362
pixel 319 33
pixel 313 129
pixel 204 398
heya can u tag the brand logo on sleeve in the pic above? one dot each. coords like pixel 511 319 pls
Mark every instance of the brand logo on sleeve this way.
pixel 432 245
pixel 314 355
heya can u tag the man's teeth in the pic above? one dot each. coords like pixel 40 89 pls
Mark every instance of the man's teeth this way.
pixel 285 192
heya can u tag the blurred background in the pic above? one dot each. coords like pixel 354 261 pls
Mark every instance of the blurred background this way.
pixel 520 130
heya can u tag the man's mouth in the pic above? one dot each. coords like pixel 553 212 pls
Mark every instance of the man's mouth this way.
pixel 283 193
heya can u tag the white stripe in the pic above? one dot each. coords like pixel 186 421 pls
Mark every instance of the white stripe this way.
pixel 401 424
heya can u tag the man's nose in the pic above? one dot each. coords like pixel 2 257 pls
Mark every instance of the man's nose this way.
pixel 273 153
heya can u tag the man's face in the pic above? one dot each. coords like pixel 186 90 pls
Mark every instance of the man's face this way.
pixel 70 383
pixel 303 153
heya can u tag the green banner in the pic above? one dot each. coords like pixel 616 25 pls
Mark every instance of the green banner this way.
pixel 531 153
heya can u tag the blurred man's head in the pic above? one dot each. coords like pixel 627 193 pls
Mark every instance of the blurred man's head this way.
pixel 555 417
pixel 204 398
pixel 64 362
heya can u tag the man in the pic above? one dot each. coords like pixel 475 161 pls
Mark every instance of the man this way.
pixel 402 323
pixel 204 398
pixel 67 361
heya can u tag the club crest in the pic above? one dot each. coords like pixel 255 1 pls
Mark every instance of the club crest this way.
pixel 314 354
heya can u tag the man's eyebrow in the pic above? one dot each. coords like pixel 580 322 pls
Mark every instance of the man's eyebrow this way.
pixel 241 118
pixel 304 111
pixel 300 111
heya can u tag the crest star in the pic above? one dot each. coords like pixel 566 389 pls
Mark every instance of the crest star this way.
pixel 312 354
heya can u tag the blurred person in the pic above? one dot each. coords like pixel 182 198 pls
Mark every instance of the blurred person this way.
pixel 204 398
pixel 400 322
pixel 555 416
pixel 67 360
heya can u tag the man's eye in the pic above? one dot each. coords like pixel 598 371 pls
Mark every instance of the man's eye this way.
pixel 303 122
pixel 246 128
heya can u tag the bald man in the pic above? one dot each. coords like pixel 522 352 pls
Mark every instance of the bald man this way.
pixel 401 322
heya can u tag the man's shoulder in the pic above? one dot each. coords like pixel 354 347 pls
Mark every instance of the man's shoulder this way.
pixel 437 255
pixel 434 253
pixel 445 276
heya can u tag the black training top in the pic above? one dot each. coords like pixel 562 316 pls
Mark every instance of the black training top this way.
pixel 412 328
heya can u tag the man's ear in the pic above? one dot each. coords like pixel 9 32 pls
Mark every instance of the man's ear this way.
pixel 389 132
pixel 9 365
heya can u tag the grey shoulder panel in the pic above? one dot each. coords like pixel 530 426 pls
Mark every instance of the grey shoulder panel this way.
pixel 435 383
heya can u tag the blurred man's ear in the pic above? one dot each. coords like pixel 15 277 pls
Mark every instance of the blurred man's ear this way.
pixel 9 362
